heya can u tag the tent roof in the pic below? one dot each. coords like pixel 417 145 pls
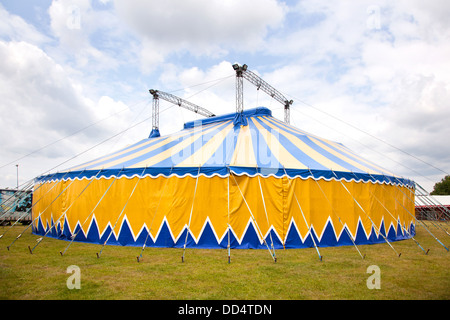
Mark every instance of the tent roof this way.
pixel 248 143
pixel 434 201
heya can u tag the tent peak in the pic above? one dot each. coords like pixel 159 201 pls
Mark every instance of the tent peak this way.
pixel 239 118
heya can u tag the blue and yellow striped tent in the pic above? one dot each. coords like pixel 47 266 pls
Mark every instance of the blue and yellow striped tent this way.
pixel 238 180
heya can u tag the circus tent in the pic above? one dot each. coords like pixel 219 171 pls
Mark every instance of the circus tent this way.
pixel 241 180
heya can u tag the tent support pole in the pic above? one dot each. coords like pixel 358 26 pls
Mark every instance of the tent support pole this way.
pixel 62 253
pixel 65 211
pixel 265 211
pixel 423 224
pixel 254 221
pixel 435 202
pixel 421 201
pixel 190 215
pixel 139 257
pixel 429 201
pixel 228 212
pixel 54 224
pixel 11 199
pixel 387 210
pixel 339 218
pixel 304 219
pixel 92 211
pixel 373 224
pixel 123 209
pixel 31 224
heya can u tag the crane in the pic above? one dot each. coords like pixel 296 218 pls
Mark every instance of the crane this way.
pixel 175 100
pixel 243 72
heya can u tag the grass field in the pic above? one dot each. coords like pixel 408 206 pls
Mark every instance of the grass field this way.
pixel 205 274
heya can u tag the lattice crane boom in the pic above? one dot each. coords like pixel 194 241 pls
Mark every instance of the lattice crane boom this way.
pixel 243 72
pixel 175 100
pixel 181 102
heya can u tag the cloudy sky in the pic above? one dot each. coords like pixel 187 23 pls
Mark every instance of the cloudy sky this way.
pixel 75 74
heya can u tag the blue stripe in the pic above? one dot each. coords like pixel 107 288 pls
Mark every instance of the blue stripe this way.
pixel 152 153
pixel 144 146
pixel 123 155
pixel 332 157
pixel 223 171
pixel 293 149
pixel 263 155
pixel 84 165
pixel 192 148
pixel 260 111
pixel 224 153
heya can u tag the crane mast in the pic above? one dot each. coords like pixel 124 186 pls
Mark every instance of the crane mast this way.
pixel 175 100
pixel 243 72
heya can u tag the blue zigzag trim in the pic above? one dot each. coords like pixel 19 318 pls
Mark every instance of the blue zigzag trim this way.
pixel 209 240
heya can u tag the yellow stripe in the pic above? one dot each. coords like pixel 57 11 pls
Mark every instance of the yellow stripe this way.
pixel 91 163
pixel 207 150
pixel 244 155
pixel 163 141
pixel 283 156
pixel 290 127
pixel 318 157
pixel 350 153
pixel 342 157
pixel 320 141
pixel 198 132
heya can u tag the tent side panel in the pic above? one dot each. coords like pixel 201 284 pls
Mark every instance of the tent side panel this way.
pixel 285 211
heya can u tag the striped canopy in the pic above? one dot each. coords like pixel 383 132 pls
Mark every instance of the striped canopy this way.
pixel 248 143
pixel 315 189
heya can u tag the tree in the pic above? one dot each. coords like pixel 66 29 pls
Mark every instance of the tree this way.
pixel 442 188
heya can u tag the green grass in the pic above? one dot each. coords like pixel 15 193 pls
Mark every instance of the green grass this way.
pixel 205 274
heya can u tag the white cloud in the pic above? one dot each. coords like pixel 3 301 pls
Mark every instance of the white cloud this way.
pixel 74 24
pixel 389 77
pixel 380 66
pixel 14 28
pixel 210 28
pixel 41 104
